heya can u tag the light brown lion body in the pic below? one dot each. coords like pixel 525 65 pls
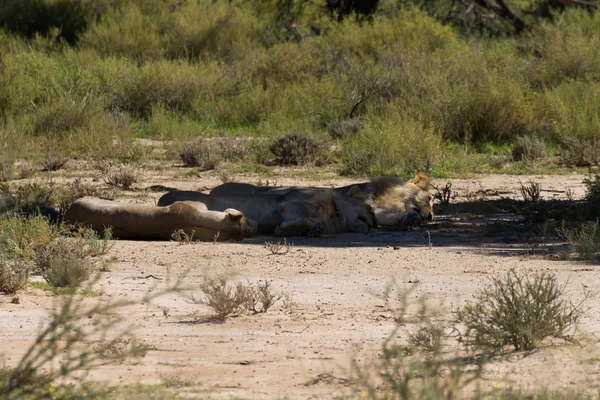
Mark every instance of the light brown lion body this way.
pixel 297 212
pixel 138 221
pixel 394 202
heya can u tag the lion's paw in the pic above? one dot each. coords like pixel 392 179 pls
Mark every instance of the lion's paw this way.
pixel 413 218
pixel 316 230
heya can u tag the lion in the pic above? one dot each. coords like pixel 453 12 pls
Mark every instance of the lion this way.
pixel 394 202
pixel 297 212
pixel 140 221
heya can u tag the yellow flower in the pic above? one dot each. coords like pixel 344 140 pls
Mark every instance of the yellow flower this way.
pixel 496 384
pixel 363 394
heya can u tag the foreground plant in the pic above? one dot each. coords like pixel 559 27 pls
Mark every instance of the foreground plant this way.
pixel 66 338
pixel 401 371
pixel 520 310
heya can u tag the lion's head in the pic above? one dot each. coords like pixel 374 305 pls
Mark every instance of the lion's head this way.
pixel 360 216
pixel 397 196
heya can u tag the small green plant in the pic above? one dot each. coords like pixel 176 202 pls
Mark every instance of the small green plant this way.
pixel 299 149
pixel 520 310
pixel 584 240
pixel 278 247
pixel 14 274
pixel 528 148
pixel 123 176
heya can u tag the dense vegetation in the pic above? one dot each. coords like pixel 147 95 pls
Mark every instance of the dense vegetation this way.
pixel 417 85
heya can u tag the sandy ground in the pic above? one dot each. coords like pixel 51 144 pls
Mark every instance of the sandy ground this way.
pixel 334 284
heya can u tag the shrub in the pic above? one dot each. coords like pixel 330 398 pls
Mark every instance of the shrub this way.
pixel 14 274
pixel 64 262
pixel 223 298
pixel 584 240
pixel 299 149
pixel 580 152
pixel 67 270
pixel 519 310
pixel 199 153
pixel 226 299
pixel 343 128
pixel 528 148
pixel 123 176
pixel 207 153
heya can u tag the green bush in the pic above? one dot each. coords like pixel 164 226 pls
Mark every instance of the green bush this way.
pixel 174 84
pixel 394 144
pixel 565 49
pixel 21 236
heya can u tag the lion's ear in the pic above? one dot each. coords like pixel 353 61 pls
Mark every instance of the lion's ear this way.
pixel 421 180
pixel 354 193
pixel 235 214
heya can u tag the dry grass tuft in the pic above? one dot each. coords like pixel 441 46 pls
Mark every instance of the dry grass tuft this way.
pixel 123 176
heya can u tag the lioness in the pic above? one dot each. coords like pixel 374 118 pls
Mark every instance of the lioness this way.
pixel 297 212
pixel 394 202
pixel 138 221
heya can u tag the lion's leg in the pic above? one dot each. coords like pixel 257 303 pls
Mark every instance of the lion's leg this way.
pixel 391 218
pixel 298 227
pixel 297 223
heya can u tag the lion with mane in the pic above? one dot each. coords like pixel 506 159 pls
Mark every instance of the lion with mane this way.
pixel 394 201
